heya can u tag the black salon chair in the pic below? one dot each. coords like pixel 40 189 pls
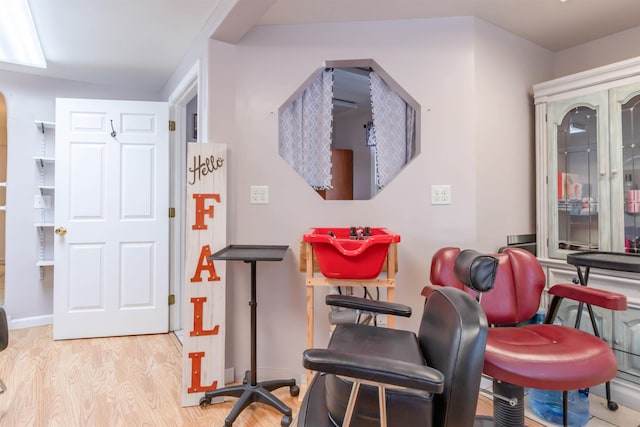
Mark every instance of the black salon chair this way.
pixel 370 376
pixel 4 339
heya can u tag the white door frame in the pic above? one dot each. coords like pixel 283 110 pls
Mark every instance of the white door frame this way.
pixel 189 87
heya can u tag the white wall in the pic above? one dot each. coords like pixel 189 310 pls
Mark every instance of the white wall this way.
pixel 28 300
pixel 505 188
pixel 603 51
pixel 446 65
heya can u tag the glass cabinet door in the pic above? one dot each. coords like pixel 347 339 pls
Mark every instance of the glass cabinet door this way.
pixel 578 167
pixel 625 156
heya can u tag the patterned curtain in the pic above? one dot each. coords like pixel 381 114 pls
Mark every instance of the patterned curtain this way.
pixel 394 129
pixel 305 132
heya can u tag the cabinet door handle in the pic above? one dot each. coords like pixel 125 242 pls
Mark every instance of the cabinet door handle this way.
pixel 602 173
pixel 61 231
pixel 614 171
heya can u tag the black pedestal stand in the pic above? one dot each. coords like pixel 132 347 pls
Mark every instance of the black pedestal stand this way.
pixel 251 391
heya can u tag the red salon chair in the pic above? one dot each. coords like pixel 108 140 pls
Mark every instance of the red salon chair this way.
pixel 541 356
pixel 370 376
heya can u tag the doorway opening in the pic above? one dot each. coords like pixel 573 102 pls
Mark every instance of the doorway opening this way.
pixel 184 106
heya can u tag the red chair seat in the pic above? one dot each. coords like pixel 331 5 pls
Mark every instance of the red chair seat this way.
pixel 548 357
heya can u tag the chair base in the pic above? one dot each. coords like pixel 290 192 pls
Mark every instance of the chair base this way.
pixel 249 393
pixel 314 412
pixel 508 404
pixel 483 421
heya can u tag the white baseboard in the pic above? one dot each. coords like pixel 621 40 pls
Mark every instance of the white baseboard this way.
pixel 30 322
pixel 229 375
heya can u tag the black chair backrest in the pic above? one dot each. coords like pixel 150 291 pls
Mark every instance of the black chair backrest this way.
pixel 4 330
pixel 453 336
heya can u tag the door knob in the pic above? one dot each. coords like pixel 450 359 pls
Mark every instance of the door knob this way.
pixel 61 231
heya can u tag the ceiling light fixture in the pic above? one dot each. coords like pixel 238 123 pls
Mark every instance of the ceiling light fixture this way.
pixel 19 43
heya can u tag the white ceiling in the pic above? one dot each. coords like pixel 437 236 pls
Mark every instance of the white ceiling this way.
pixel 139 43
pixel 126 43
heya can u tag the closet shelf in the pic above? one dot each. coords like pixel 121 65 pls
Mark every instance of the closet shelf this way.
pixel 42 159
pixel 44 200
pixel 45 125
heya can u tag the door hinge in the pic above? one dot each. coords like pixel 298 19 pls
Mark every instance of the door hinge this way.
pixel 172 299
pixel 172 125
pixel 172 212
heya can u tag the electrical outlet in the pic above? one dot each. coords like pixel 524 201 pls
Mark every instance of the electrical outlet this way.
pixel 259 195
pixel 440 194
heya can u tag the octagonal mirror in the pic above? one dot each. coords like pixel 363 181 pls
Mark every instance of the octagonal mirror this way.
pixel 349 130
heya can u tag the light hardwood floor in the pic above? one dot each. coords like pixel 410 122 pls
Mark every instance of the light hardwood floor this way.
pixel 121 381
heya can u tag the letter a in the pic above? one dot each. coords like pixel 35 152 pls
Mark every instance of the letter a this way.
pixel 204 263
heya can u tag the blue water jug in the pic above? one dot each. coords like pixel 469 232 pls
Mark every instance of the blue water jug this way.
pixel 547 404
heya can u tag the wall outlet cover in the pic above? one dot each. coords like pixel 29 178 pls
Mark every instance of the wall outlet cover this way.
pixel 259 195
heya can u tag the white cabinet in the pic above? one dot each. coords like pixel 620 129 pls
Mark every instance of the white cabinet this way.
pixel 44 198
pixel 588 196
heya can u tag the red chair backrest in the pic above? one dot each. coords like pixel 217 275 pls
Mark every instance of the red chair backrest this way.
pixel 517 290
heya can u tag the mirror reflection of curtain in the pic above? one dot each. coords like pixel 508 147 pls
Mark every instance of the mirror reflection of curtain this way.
pixel 305 132
pixel 394 130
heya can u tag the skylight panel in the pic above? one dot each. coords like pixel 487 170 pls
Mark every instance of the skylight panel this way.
pixel 19 43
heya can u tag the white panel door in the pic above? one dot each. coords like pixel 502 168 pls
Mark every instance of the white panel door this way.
pixel 111 274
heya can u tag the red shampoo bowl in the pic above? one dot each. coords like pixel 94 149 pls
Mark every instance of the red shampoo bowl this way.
pixel 341 257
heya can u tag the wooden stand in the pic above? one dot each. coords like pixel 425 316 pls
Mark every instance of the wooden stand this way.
pixel 307 264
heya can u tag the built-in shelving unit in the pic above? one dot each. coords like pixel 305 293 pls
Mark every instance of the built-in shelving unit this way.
pixel 587 133
pixel 44 199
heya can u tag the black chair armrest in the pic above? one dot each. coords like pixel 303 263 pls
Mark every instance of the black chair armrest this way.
pixel 368 305
pixel 374 369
